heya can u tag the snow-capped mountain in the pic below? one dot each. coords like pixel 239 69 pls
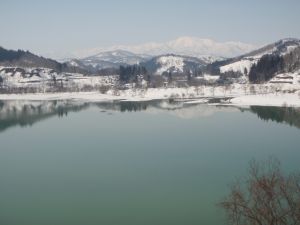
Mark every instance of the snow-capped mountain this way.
pixel 206 50
pixel 92 65
pixel 173 63
pixel 190 46
pixel 244 63
pixel 109 59
pixel 119 57
pixel 24 69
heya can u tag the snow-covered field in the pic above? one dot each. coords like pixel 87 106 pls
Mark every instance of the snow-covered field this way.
pixel 283 89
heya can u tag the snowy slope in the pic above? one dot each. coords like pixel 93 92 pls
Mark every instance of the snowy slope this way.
pixel 244 65
pixel 172 63
pixel 119 57
pixel 44 77
pixel 286 78
pixel 245 62
pixel 109 59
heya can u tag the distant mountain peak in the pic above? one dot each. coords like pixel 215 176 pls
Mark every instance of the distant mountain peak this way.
pixel 186 45
pixel 284 40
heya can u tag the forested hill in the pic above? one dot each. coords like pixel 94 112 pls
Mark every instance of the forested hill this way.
pixel 262 64
pixel 22 59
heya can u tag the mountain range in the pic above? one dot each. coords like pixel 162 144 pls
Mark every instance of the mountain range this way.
pixel 186 48
pixel 184 55
pixel 189 46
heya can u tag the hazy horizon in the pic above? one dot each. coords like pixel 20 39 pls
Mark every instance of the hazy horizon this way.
pixel 62 27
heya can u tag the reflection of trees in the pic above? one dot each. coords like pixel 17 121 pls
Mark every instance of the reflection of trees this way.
pixel 287 115
pixel 24 113
pixel 133 106
pixel 127 106
pixel 16 114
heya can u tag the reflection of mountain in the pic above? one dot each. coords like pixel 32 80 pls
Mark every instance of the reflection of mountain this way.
pixel 286 115
pixel 24 113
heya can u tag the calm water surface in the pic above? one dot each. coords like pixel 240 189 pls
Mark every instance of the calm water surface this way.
pixel 128 163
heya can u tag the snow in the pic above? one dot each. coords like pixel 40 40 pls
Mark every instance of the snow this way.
pixel 291 48
pixel 292 78
pixel 210 77
pixel 290 100
pixel 283 89
pixel 170 62
pixel 282 47
pixel 73 63
pixel 239 66
pixel 41 77
pixel 240 94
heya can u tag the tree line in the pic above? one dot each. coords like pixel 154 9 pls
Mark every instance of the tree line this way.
pixel 270 65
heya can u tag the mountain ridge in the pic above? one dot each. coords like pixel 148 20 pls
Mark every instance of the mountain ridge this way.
pixel 189 46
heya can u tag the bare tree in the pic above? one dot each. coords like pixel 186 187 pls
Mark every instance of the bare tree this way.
pixel 245 87
pixel 266 197
pixel 212 90
pixel 252 89
pixel 1 81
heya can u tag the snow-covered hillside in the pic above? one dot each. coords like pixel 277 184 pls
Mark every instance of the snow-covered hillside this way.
pixel 286 78
pixel 110 59
pixel 168 63
pixel 244 63
pixel 173 63
pixel 14 77
pixel 119 57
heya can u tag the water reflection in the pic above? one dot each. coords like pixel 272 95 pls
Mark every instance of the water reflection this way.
pixel 27 113
pixel 286 115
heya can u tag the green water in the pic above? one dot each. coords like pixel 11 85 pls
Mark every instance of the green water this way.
pixel 132 163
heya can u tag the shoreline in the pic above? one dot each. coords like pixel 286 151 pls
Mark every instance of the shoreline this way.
pixel 271 99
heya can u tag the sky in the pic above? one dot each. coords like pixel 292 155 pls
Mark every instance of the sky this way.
pixel 62 26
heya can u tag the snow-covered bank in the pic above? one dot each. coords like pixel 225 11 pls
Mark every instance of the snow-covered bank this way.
pixel 86 96
pixel 264 95
pixel 289 100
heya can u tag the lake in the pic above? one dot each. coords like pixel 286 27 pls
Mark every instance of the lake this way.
pixel 132 163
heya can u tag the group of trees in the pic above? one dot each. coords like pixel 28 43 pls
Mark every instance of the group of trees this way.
pixel 292 60
pixel 229 77
pixel 270 65
pixel 130 73
pixel 266 197
pixel 27 59
pixel 266 68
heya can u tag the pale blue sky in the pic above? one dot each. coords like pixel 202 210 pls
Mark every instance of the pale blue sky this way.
pixel 65 26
